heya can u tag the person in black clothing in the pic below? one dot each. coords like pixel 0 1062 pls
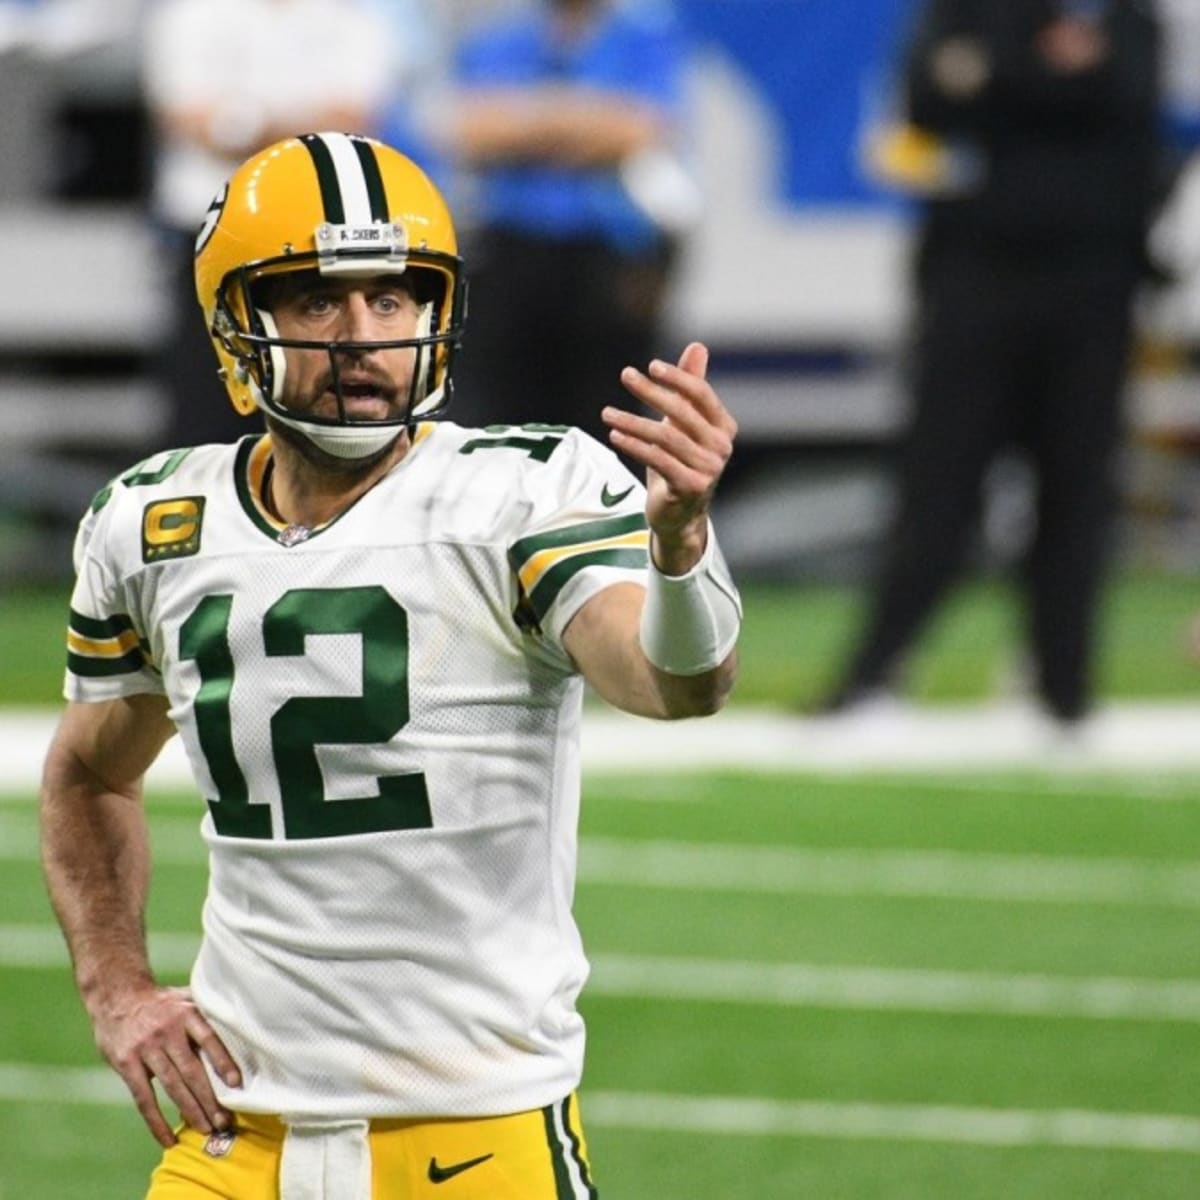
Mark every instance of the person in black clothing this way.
pixel 1025 278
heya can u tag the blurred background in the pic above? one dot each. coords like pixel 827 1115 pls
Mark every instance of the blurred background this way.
pixel 935 953
pixel 792 265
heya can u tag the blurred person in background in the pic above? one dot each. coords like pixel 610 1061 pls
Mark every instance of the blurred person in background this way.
pixel 1033 129
pixel 567 119
pixel 421 43
pixel 221 79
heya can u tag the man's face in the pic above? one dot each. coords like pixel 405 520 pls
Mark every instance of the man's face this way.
pixel 375 384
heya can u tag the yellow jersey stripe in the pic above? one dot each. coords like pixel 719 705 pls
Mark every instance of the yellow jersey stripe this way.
pixel 113 647
pixel 537 566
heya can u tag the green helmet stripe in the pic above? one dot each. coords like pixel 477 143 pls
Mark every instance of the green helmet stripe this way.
pixel 373 177
pixel 327 178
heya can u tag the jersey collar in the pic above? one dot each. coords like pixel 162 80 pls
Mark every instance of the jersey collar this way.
pixel 251 465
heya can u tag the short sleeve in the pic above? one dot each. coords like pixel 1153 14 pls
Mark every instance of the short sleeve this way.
pixel 587 531
pixel 107 655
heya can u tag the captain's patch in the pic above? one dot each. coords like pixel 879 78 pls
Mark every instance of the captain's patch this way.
pixel 171 528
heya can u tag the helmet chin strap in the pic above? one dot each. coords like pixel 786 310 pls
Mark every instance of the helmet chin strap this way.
pixel 340 441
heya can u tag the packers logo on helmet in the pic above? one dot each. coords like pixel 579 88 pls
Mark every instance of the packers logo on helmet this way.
pixel 342 205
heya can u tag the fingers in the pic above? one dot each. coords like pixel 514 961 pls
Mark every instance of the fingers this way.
pixel 179 1081
pixel 144 1096
pixel 691 446
pixel 205 1037
pixel 163 1039
pixel 694 359
pixel 182 1076
pixel 687 464
pixel 680 394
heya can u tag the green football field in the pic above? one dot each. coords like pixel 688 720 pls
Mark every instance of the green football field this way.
pixel 884 986
pixel 926 988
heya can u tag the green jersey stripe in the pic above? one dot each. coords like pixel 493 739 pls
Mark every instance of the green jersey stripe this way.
pixel 571 535
pixel 96 668
pixel 552 582
pixel 93 629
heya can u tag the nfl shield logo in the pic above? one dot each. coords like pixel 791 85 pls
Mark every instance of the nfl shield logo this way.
pixel 220 1143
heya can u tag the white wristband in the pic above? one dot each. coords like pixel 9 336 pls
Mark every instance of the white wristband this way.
pixel 691 622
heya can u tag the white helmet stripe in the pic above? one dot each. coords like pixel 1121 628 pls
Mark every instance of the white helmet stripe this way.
pixel 348 176
pixel 356 201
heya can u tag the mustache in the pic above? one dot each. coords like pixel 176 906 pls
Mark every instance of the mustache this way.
pixel 331 381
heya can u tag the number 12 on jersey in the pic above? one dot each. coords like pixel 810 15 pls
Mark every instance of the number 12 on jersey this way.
pixel 302 723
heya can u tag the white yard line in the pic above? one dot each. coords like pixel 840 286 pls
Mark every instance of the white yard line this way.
pixel 786 985
pixel 1142 737
pixel 881 989
pixel 25 947
pixel 725 1115
pixel 771 870
pixel 928 874
pixel 175 839
pixel 727 867
pixel 1151 1133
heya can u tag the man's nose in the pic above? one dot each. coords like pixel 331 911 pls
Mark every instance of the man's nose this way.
pixel 357 319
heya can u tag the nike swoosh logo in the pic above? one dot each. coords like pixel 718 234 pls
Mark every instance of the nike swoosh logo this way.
pixel 608 499
pixel 441 1174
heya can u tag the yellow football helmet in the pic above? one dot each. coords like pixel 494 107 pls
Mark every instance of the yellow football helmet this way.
pixel 342 205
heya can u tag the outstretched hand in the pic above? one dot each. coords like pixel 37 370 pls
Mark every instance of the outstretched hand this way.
pixel 684 452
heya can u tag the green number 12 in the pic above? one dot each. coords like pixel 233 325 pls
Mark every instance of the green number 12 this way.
pixel 305 722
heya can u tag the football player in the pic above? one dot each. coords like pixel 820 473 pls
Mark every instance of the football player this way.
pixel 371 631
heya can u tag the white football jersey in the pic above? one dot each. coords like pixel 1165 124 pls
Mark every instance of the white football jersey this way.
pixel 385 726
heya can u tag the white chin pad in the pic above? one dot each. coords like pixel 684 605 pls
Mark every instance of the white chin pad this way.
pixel 344 441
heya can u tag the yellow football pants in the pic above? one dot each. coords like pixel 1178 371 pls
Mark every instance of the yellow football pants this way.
pixel 535 1155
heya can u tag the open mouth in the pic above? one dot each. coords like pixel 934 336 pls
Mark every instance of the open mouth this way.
pixel 362 400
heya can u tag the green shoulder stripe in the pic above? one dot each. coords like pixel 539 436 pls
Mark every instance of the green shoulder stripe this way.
pixel 96 668
pixel 574 535
pixel 140 476
pixel 546 589
pixel 109 627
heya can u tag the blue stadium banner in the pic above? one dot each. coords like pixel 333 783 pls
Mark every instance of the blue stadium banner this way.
pixel 823 66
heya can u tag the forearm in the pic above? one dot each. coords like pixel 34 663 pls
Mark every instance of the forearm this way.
pixel 667 650
pixel 566 130
pixel 695 695
pixel 95 856
pixel 625 678
pixel 240 129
